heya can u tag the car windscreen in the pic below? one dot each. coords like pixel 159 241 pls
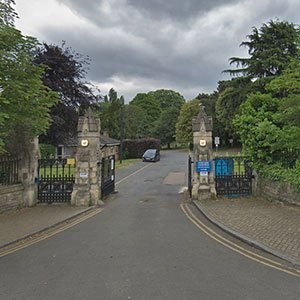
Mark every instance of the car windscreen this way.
pixel 150 153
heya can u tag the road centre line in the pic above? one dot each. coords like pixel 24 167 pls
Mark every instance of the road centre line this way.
pixel 233 246
pixel 137 171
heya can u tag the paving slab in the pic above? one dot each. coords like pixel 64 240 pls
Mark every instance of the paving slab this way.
pixel 272 226
pixel 19 223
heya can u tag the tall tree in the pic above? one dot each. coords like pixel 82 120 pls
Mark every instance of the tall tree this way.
pixel 270 49
pixel 165 126
pixel 24 101
pixel 65 74
pixel 134 118
pixel 269 122
pixel 168 99
pixel 230 96
pixel 189 110
pixel 151 107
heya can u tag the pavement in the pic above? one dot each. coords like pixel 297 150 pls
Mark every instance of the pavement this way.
pixel 270 226
pixel 19 224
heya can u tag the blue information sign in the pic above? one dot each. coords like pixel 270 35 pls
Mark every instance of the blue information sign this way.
pixel 203 166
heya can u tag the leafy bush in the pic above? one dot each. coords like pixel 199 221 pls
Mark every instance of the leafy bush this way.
pixel 47 150
pixel 136 148
pixel 277 172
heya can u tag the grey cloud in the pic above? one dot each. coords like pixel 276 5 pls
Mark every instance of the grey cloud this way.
pixel 177 9
pixel 156 9
pixel 183 44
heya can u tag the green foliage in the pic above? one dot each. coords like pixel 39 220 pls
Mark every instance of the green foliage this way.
pixel 47 150
pixel 276 172
pixel 269 123
pixel 65 73
pixel 189 110
pixel 270 48
pixel 25 102
pixel 168 99
pixel 7 13
pixel 134 118
pixel 165 126
pixel 231 94
pixel 151 107
pixel 257 126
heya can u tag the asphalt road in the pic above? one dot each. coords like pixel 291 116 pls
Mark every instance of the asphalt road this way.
pixel 141 246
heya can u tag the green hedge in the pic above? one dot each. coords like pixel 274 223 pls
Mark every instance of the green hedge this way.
pixel 277 172
pixel 136 148
pixel 47 150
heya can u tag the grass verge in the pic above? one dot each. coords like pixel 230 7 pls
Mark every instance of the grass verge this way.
pixel 126 162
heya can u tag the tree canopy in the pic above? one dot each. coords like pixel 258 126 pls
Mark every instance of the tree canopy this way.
pixel 24 101
pixel 270 122
pixel 184 133
pixel 270 49
pixel 65 73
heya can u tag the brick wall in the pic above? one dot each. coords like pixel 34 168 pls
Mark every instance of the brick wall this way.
pixel 11 196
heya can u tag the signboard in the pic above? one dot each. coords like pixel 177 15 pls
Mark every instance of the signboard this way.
pixel 83 174
pixel 217 141
pixel 203 166
pixel 70 161
pixel 203 173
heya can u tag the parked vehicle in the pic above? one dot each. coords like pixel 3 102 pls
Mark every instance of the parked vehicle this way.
pixel 151 155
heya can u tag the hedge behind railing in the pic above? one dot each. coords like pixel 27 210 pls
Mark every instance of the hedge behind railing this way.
pixel 136 148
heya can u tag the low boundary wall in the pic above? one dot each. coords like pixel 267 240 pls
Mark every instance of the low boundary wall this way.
pixel 275 190
pixel 11 196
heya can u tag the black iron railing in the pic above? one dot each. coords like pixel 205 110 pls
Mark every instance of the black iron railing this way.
pixel 9 167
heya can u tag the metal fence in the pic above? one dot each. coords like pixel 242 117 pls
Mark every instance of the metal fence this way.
pixel 287 158
pixel 9 167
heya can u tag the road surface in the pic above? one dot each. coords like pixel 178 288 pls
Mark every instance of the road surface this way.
pixel 141 246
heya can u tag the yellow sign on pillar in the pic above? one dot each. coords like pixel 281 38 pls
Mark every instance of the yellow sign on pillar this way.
pixel 71 161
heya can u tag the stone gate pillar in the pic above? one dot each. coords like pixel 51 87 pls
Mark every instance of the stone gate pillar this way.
pixel 203 178
pixel 87 187
pixel 28 171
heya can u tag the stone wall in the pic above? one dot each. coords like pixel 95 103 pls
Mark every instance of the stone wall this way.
pixel 11 196
pixel 24 193
pixel 112 150
pixel 275 190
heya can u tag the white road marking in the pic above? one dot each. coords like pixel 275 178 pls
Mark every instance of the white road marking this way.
pixel 139 170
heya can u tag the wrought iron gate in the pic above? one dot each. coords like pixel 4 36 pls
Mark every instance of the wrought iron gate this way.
pixel 233 176
pixel 190 176
pixel 108 175
pixel 55 180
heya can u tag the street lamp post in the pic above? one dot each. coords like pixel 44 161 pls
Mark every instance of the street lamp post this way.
pixel 121 129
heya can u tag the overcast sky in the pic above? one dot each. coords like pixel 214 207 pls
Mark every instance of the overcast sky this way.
pixel 142 45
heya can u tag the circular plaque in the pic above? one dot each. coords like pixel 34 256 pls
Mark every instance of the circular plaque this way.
pixel 84 143
pixel 202 143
